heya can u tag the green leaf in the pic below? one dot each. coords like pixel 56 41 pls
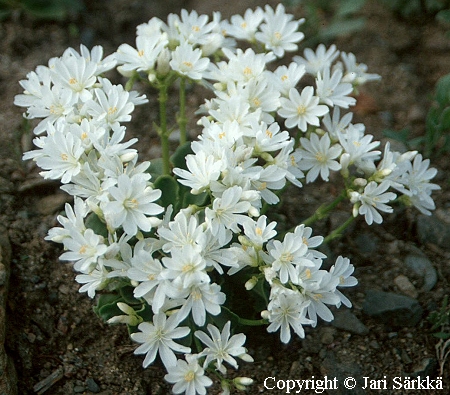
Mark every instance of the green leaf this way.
pixel 442 335
pixel 188 198
pixel 343 27
pixel 443 90
pixel 444 124
pixel 443 16
pixel 179 156
pixel 50 9
pixel 127 296
pixel 156 168
pixel 398 135
pixel 169 188
pixel 108 311
pixel 105 300
pixel 348 7
pixel 97 225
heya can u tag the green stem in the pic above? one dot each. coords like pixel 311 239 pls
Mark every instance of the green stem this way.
pixel 162 131
pixel 324 210
pixel 248 322
pixel 338 231
pixel 182 120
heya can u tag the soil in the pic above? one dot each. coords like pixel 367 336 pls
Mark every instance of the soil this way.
pixel 52 329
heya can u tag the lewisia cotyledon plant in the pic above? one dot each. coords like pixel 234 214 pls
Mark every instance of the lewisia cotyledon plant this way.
pixel 161 244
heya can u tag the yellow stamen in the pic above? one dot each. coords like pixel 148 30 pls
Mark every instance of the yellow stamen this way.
pixel 301 110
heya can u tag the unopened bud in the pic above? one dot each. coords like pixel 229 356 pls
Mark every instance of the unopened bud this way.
pixel 128 157
pixel 125 73
pixel 253 212
pixel 241 382
pixel 162 64
pixel 361 182
pixel 250 284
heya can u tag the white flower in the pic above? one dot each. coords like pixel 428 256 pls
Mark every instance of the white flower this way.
pixel 359 147
pixel 203 169
pixel 156 338
pixel 188 376
pixel 285 256
pixel 259 232
pixel 60 154
pixel 185 267
pixel 195 28
pixel 226 211
pixel 202 298
pixel 76 75
pixel 332 90
pixel 144 56
pixel 374 199
pixel 284 78
pixel 111 106
pixel 183 230
pixel 95 280
pixel 414 183
pixel 147 271
pixel 220 347
pixel 278 32
pixel 316 62
pixel 55 104
pixel 133 204
pixel 335 125
pixel 269 138
pixel 318 156
pixel 286 310
pixel 245 27
pixel 355 73
pixel 319 288
pixel 188 61
pixel 84 249
pixel 343 269
pixel 302 109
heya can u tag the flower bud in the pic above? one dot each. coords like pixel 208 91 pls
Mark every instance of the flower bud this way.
pixel 128 157
pixel 162 64
pixel 361 182
pixel 241 382
pixel 250 284
pixel 265 314
pixel 253 212
pixel 125 73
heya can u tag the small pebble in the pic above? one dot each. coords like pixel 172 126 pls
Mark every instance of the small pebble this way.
pixel 92 385
pixel 405 286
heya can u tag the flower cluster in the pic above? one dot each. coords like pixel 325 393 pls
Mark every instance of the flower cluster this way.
pixel 172 259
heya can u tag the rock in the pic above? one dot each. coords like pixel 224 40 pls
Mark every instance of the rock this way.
pixel 8 377
pixel 366 243
pixel 434 229
pixel 347 321
pixel 426 367
pixel 92 385
pixel 333 367
pixel 405 286
pixel 53 203
pixel 423 268
pixel 327 335
pixel 392 309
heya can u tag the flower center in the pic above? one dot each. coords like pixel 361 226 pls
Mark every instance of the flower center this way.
pixel 189 376
pixel 131 203
pixel 301 110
